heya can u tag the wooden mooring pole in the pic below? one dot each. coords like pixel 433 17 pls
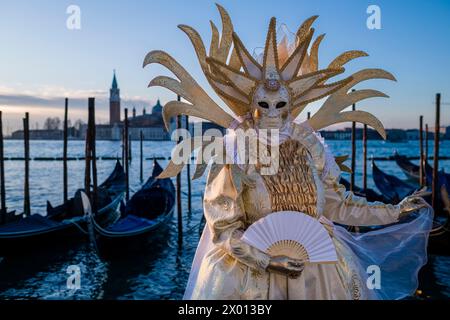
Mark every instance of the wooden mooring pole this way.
pixel 123 146
pixel 87 157
pixel 126 160
pixel 188 175
pixel 353 164
pixel 435 186
pixel 65 178
pixel 26 136
pixel 141 163
pixel 2 176
pixel 365 157
pixel 179 206
pixel 93 153
pixel 422 163
pixel 426 143
pixel 130 151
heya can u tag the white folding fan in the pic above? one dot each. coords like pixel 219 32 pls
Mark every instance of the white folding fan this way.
pixel 293 234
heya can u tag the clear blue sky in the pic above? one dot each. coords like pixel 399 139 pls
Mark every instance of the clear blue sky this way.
pixel 41 61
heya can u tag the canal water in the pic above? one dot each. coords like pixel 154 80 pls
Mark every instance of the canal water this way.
pixel 157 268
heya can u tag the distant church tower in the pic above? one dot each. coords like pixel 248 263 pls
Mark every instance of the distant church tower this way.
pixel 114 102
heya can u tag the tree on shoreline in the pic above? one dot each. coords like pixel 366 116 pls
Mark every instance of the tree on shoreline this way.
pixel 52 123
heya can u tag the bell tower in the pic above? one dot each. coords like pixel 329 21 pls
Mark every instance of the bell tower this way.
pixel 114 102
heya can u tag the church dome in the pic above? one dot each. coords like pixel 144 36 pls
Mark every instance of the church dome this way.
pixel 157 108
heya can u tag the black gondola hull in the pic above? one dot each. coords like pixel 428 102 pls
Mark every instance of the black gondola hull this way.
pixel 12 243
pixel 111 243
pixel 391 187
pixel 439 244
pixel 146 214
pixel 44 240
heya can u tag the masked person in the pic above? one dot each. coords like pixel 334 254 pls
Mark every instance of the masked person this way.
pixel 268 93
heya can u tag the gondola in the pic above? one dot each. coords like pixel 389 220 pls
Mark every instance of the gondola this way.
pixel 107 199
pixel 443 179
pixel 149 209
pixel 10 216
pixel 443 184
pixel 396 189
pixel 411 170
pixel 439 241
pixel 370 194
pixel 390 186
pixel 37 231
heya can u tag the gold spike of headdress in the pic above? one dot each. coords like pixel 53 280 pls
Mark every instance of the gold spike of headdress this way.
pixel 234 74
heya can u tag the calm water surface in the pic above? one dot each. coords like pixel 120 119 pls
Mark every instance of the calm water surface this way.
pixel 158 268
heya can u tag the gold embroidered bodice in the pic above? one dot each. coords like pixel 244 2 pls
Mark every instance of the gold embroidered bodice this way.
pixel 292 188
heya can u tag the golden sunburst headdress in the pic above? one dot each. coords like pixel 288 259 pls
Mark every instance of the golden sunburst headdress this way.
pixel 233 73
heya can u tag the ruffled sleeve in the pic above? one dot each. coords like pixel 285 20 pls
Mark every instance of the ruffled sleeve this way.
pixel 344 207
pixel 226 219
pixel 339 205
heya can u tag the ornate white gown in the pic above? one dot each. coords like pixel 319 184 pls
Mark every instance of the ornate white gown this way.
pixel 307 181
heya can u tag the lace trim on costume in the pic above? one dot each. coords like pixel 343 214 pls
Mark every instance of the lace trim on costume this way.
pixel 330 167
pixel 355 287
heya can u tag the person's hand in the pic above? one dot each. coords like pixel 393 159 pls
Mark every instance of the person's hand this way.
pixel 422 192
pixel 286 266
pixel 411 204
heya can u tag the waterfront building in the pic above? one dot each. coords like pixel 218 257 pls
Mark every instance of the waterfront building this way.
pixel 150 124
pixel 114 102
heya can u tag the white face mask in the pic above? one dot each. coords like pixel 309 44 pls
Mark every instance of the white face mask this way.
pixel 270 108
